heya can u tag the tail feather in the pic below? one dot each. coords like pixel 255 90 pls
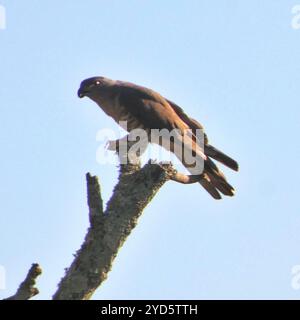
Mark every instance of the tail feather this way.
pixel 212 179
pixel 209 187
pixel 221 157
pixel 217 178
pixel 222 186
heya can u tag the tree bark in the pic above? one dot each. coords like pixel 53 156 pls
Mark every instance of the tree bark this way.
pixel 108 229
pixel 27 288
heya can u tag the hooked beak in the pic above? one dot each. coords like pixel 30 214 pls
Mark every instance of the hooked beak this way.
pixel 81 93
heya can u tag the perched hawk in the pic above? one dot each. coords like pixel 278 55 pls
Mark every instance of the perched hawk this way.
pixel 146 109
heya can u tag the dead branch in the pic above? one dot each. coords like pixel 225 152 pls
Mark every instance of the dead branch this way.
pixel 108 229
pixel 27 288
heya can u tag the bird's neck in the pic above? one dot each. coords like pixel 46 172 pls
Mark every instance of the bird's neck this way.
pixel 108 101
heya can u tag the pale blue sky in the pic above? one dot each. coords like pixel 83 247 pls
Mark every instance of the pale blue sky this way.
pixel 233 65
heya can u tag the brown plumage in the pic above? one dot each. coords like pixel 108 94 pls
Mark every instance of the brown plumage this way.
pixel 147 109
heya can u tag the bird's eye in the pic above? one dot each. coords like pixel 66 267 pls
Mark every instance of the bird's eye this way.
pixel 97 83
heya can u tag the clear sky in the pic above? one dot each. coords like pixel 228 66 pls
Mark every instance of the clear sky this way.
pixel 233 65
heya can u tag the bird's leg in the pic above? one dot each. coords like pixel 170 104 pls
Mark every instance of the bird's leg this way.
pixel 113 145
pixel 128 149
pixel 125 142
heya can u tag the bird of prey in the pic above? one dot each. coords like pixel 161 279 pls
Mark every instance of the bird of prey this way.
pixel 146 109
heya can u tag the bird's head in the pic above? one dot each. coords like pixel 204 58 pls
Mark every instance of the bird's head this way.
pixel 93 87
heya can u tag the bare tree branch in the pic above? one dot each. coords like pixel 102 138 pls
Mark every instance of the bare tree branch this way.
pixel 109 229
pixel 185 179
pixel 27 288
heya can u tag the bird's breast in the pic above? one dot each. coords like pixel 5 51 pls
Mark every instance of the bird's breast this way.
pixel 120 114
pixel 124 118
